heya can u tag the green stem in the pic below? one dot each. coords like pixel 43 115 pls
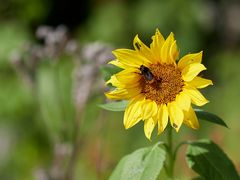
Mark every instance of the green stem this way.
pixel 171 158
pixel 172 153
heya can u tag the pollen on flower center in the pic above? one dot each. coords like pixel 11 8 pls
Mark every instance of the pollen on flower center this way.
pixel 165 86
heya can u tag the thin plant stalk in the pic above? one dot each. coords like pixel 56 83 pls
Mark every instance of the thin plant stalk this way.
pixel 170 151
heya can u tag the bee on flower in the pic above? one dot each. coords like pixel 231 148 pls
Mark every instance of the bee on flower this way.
pixel 159 89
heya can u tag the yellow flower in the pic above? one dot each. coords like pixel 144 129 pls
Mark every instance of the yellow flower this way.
pixel 158 88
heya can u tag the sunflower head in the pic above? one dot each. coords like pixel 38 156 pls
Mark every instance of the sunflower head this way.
pixel 158 88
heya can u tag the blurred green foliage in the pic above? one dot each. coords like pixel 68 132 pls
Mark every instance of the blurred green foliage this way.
pixel 31 121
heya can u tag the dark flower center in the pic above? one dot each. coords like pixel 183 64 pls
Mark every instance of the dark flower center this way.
pixel 166 84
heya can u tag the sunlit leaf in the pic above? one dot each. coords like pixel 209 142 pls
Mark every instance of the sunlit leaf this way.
pixel 115 106
pixel 209 161
pixel 210 117
pixel 142 164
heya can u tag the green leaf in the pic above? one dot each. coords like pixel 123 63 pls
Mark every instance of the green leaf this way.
pixel 209 161
pixel 114 106
pixel 145 163
pixel 108 71
pixel 210 117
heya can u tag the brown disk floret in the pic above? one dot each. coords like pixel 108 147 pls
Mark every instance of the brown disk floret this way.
pixel 165 86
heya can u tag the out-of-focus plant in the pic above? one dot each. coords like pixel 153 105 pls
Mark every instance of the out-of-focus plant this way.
pixel 62 76
pixel 151 87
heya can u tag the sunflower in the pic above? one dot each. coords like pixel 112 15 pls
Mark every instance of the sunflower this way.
pixel 157 88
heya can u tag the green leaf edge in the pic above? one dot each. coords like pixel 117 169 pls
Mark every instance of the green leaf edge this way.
pixel 210 117
pixel 192 143
pixel 121 106
pixel 156 145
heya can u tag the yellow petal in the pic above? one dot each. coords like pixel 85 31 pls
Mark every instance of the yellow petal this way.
pixel 127 78
pixel 149 125
pixel 191 71
pixel 189 59
pixel 122 93
pixel 132 114
pixel 199 82
pixel 165 51
pixel 176 115
pixel 183 101
pixel 118 82
pixel 130 58
pixel 190 119
pixel 117 94
pixel 143 49
pixel 113 80
pixel 149 109
pixel 196 97
pixel 156 45
pixel 174 52
pixel 118 64
pixel 162 117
